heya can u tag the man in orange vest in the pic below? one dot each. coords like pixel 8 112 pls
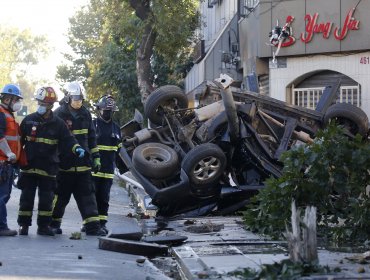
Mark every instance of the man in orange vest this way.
pixel 10 148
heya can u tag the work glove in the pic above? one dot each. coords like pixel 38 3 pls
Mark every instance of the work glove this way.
pixel 11 157
pixel 96 165
pixel 80 152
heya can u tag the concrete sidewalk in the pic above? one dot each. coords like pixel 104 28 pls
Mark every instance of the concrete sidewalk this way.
pixel 41 257
pixel 227 246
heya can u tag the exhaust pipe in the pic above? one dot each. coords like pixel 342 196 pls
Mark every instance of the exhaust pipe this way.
pixel 224 83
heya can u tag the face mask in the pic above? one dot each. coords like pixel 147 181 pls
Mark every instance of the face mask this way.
pixel 76 104
pixel 41 110
pixel 106 115
pixel 17 106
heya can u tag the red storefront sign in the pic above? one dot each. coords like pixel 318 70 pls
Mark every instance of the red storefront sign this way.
pixel 313 26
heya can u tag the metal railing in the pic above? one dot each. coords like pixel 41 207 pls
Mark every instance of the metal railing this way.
pixel 309 97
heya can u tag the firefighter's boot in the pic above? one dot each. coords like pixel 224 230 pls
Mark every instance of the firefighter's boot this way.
pixel 7 232
pixel 45 230
pixel 23 230
pixel 96 232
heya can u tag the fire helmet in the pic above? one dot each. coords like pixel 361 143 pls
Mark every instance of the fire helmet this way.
pixel 106 102
pixel 46 94
pixel 75 91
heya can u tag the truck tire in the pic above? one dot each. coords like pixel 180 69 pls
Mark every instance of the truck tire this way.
pixel 204 164
pixel 165 97
pixel 155 160
pixel 351 117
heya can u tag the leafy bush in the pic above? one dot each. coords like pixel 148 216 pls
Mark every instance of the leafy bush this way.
pixel 285 270
pixel 331 174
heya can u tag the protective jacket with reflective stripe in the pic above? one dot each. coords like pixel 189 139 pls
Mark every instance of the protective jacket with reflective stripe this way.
pixel 109 142
pixel 42 139
pixel 11 133
pixel 81 125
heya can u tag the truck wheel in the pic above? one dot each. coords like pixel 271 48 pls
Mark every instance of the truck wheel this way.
pixel 155 160
pixel 166 97
pixel 204 164
pixel 351 117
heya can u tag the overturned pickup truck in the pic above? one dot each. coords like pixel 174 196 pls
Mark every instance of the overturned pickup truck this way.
pixel 213 158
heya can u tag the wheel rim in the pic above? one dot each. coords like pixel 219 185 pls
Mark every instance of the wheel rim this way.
pixel 207 168
pixel 156 155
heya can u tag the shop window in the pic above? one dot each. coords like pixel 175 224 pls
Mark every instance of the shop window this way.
pixel 309 97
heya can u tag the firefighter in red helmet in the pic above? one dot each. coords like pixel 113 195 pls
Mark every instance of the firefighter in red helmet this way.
pixel 43 134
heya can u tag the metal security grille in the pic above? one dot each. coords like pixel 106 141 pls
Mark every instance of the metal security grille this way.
pixel 309 97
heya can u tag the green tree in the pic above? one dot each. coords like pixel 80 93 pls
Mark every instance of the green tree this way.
pixel 19 49
pixel 116 51
pixel 165 27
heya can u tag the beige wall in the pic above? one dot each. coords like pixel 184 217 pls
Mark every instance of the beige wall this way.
pixel 348 65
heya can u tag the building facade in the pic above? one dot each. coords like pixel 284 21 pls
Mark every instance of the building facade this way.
pixel 292 49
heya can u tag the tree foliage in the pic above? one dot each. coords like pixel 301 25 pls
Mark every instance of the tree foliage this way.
pixel 331 174
pixel 19 49
pixel 129 47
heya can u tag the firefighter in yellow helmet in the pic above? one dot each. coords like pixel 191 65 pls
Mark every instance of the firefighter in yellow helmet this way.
pixel 43 134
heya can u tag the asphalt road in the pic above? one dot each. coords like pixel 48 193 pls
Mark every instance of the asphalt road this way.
pixel 59 257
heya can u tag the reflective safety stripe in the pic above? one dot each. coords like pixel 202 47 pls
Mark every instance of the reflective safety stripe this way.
pixel 37 171
pixel 45 213
pixel 107 148
pixel 94 150
pixel 76 169
pixel 12 138
pixel 91 219
pixel 103 218
pixel 120 145
pixel 103 175
pixel 25 213
pixel 54 201
pixel 80 131
pixel 74 147
pixel 42 140
pixel 57 220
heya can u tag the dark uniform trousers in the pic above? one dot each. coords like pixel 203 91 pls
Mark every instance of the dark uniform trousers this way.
pixel 80 185
pixel 102 191
pixel 46 187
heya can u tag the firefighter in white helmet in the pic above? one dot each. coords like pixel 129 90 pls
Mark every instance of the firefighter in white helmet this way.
pixel 43 134
pixel 75 173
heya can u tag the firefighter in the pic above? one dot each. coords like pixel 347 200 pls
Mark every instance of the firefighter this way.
pixel 109 142
pixel 10 149
pixel 42 134
pixel 75 173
